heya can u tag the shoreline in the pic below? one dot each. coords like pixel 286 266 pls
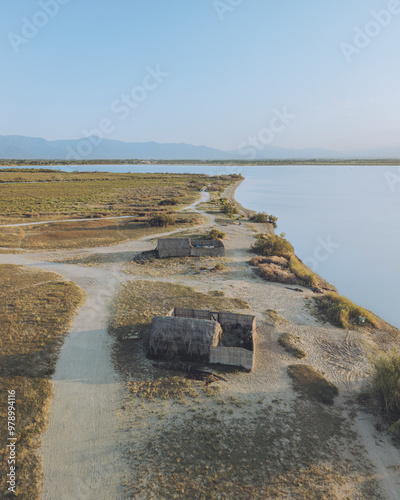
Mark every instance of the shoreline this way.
pixel 229 193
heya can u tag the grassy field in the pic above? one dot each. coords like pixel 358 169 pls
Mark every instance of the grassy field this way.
pixel 32 196
pixel 69 235
pixel 27 196
pixel 36 309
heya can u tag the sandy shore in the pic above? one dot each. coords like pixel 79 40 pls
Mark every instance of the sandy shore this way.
pixel 230 194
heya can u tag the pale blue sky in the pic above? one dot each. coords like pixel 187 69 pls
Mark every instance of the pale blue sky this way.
pixel 227 71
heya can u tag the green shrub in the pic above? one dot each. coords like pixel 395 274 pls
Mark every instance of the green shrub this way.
pixel 168 201
pixel 263 217
pixel 215 234
pixel 386 386
pixel 227 207
pixel 219 267
pixel 342 312
pixel 267 245
pixel 260 217
pixel 161 220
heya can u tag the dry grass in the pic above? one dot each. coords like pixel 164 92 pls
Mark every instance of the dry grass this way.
pixel 340 311
pixel 94 234
pixel 287 269
pixel 175 387
pixel 51 195
pixel 386 387
pixel 274 318
pixel 148 264
pixel 290 343
pixel 36 309
pixel 304 275
pixel 189 441
pixel 275 273
pixel 268 453
pixel 311 384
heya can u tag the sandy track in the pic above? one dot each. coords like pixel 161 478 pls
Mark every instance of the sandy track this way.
pixel 80 447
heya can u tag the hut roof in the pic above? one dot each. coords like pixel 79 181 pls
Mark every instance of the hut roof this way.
pixel 174 242
pixel 183 337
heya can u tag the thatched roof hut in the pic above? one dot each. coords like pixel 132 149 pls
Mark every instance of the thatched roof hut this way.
pixel 174 247
pixel 184 338
pixel 185 247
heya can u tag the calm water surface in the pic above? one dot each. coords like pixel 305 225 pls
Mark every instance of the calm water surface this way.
pixel 344 222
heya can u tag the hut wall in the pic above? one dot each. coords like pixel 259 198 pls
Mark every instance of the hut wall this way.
pixel 183 247
pixel 245 320
pixel 235 356
pixel 174 247
pixel 207 248
pixel 184 312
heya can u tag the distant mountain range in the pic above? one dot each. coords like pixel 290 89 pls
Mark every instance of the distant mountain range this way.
pixel 92 148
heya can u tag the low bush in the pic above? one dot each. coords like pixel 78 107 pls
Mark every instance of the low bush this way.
pixel 259 259
pixel 311 384
pixel 289 343
pixel 215 234
pixel 219 267
pixel 277 274
pixel 227 207
pixel 263 217
pixel 386 386
pixel 161 220
pixel 168 201
pixel 260 217
pixel 268 246
pixel 340 311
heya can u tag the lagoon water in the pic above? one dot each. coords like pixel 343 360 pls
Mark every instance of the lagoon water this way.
pixel 344 221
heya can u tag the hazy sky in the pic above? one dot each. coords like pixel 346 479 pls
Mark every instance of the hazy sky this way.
pixel 297 74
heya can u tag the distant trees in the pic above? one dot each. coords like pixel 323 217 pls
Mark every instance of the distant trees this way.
pixel 264 218
pixel 228 208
